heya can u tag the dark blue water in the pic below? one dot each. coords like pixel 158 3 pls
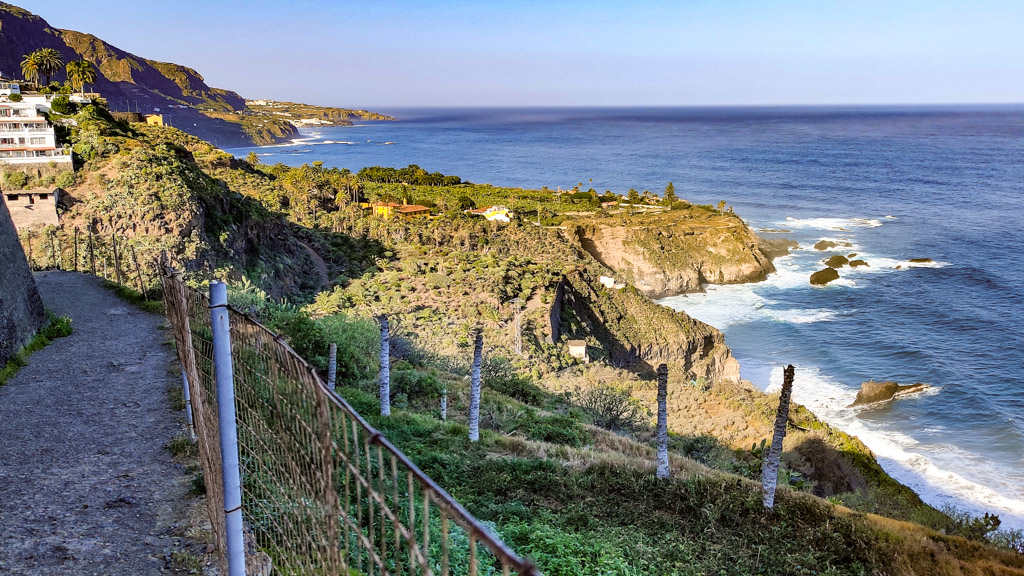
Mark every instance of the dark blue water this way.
pixel 897 183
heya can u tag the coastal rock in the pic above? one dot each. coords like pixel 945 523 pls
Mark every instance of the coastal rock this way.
pixel 680 250
pixel 858 263
pixel 872 392
pixel 830 244
pixel 778 247
pixel 837 261
pixel 921 260
pixel 823 277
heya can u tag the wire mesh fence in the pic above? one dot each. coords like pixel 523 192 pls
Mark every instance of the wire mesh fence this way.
pixel 323 492
pixel 131 262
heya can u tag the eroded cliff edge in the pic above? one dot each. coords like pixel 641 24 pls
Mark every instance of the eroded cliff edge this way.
pixel 678 251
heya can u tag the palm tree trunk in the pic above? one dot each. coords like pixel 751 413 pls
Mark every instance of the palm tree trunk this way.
pixel 662 434
pixel 770 471
pixel 385 367
pixel 474 391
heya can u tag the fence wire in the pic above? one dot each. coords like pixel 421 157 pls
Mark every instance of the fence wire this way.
pixel 323 492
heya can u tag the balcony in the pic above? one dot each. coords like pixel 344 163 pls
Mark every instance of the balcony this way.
pixel 59 156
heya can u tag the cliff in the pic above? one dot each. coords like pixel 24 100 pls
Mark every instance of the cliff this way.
pixel 635 330
pixel 132 83
pixel 677 251
pixel 21 308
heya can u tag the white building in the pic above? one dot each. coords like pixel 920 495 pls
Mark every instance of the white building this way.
pixel 25 135
pixel 493 213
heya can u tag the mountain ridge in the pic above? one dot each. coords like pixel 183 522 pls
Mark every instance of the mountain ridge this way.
pixel 133 83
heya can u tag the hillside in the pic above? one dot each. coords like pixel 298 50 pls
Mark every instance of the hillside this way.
pixel 556 475
pixel 130 82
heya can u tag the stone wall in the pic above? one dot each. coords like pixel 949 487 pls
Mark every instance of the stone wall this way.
pixel 21 308
pixel 36 170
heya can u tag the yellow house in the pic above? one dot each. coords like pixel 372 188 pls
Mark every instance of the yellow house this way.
pixel 383 209
pixel 155 119
pixel 389 209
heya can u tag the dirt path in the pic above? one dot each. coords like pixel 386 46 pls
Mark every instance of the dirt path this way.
pixel 321 266
pixel 86 485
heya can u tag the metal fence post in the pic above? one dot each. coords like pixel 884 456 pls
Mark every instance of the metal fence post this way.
pixel 188 406
pixel 332 366
pixel 220 322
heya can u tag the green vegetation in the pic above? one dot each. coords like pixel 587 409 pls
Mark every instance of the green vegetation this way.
pixel 57 327
pixel 80 73
pixel 564 467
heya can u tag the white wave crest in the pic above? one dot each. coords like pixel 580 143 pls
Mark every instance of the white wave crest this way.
pixel 832 223
pixel 937 472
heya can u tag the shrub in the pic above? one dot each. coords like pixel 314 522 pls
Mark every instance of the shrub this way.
pixel 611 407
pixel 59 327
pixel 967 525
pixel 17 180
pixel 62 105
pixel 498 374
pixel 408 385
pixel 65 179
pixel 14 97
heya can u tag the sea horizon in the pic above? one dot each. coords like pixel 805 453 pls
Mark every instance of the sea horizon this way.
pixel 896 182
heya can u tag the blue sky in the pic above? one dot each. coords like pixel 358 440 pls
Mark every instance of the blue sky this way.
pixel 389 53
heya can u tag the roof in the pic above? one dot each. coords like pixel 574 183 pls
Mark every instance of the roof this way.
pixel 413 208
pixel 577 343
pixel 33 191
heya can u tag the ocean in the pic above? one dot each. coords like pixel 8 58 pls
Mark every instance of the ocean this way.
pixel 896 183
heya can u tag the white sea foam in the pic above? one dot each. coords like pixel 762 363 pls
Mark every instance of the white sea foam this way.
pixel 934 471
pixel 940 474
pixel 838 224
pixel 801 316
pixel 729 305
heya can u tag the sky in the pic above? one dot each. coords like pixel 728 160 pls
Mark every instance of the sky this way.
pixel 405 53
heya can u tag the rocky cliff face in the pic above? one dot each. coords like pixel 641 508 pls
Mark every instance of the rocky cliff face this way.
pixel 635 331
pixel 21 308
pixel 678 251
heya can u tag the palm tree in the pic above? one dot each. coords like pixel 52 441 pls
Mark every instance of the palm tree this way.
pixel 30 67
pixel 50 62
pixel 80 73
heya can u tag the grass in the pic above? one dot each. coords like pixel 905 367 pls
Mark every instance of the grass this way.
pixel 596 508
pixel 151 303
pixel 57 327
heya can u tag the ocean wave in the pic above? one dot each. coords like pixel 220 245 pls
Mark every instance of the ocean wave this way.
pixel 935 472
pixel 838 224
pixel 884 264
pixel 801 316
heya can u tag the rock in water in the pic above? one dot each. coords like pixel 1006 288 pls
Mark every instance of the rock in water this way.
pixel 825 245
pixel 837 261
pixel 856 263
pixel 921 260
pixel 871 392
pixel 822 277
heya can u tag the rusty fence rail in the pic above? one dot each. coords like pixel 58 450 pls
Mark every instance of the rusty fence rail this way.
pixel 124 260
pixel 323 492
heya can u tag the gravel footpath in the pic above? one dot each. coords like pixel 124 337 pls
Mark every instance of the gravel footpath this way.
pixel 86 484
